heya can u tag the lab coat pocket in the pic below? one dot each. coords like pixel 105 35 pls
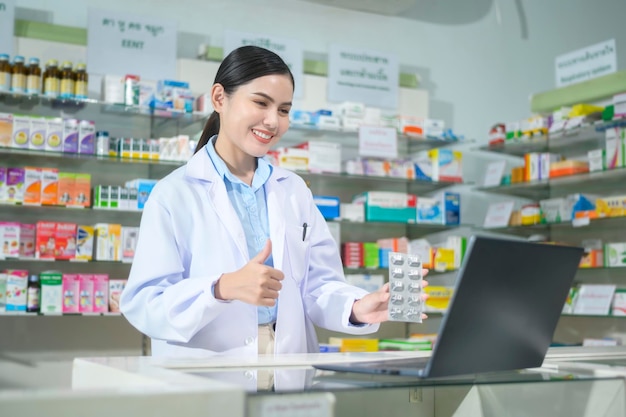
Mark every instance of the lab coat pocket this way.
pixel 298 246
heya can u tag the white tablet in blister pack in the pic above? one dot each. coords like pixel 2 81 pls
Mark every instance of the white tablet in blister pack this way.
pixel 405 287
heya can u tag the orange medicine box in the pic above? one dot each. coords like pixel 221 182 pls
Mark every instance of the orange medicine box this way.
pixel 571 167
pixel 32 185
pixel 81 192
pixel 66 188
pixel 49 186
pixel 46 238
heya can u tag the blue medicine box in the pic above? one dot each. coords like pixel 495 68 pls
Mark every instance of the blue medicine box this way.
pixel 328 206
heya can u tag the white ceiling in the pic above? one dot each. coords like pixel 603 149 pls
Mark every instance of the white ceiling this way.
pixel 444 12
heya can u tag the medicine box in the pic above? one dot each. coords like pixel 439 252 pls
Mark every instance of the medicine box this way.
pixel 328 206
pixel 100 293
pixel 615 254
pixel 84 242
pixel 71 287
pixel 9 239
pixel 27 240
pixel 85 293
pixel 16 284
pixel 54 135
pixel 447 165
pixel 15 185
pixel 38 128
pixel 388 206
pixel 51 292
pixel 21 131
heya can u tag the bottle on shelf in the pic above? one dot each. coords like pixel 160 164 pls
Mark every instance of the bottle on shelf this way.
pixel 68 79
pixel 52 79
pixel 33 80
pixel 80 86
pixel 5 73
pixel 18 75
pixel 33 292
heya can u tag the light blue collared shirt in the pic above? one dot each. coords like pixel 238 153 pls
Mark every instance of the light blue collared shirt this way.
pixel 251 207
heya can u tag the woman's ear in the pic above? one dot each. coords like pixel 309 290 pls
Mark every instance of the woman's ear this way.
pixel 217 97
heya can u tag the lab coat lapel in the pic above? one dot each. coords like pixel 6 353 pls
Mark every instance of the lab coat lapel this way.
pixel 276 200
pixel 200 167
pixel 225 211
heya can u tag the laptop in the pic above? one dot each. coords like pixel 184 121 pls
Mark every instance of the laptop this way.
pixel 508 298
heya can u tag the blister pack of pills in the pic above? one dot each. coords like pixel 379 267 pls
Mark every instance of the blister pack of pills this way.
pixel 405 287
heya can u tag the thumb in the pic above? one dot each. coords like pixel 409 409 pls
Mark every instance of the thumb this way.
pixel 265 253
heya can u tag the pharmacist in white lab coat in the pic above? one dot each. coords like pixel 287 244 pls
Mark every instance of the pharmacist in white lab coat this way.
pixel 233 256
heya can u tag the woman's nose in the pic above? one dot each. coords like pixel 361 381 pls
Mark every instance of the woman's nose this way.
pixel 271 119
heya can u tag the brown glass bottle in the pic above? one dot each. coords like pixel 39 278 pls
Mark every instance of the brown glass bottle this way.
pixel 18 75
pixel 33 81
pixel 80 87
pixel 68 79
pixel 52 79
pixel 5 73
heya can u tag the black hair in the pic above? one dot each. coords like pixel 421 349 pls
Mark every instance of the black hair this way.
pixel 241 66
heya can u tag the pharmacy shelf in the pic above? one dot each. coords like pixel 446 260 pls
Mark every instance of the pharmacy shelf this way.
pixel 121 120
pixel 39 314
pixel 105 159
pixel 592 182
pixel 33 214
pixel 115 270
pixel 369 182
pixel 577 141
pixel 371 231
pixel 607 223
pixel 349 139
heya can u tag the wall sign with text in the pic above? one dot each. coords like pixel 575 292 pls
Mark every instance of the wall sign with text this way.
pixel 7 22
pixel 357 74
pixel 121 43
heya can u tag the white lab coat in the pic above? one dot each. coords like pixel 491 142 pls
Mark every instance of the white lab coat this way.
pixel 190 234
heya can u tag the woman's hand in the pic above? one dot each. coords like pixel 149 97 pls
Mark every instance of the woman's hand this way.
pixel 373 308
pixel 255 283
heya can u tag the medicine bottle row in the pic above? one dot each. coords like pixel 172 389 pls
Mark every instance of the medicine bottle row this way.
pixel 64 82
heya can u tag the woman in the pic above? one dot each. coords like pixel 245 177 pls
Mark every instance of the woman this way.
pixel 231 248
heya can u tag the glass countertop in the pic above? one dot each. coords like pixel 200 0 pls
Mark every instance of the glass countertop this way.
pixel 306 379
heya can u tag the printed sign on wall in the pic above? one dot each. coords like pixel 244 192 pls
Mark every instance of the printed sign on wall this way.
pixel 357 74
pixel 7 21
pixel 586 63
pixel 290 50
pixel 119 43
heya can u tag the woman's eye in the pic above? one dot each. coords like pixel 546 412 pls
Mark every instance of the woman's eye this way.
pixel 261 103
pixel 284 111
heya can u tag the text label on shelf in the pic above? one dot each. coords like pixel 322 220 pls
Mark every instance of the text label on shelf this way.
pixel 120 43
pixel 380 142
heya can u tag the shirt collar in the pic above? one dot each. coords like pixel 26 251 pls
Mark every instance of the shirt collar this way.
pixel 261 175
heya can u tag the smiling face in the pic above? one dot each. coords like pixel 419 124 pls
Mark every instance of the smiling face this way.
pixel 252 119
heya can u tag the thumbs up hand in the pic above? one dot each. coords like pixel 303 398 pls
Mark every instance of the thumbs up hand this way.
pixel 255 283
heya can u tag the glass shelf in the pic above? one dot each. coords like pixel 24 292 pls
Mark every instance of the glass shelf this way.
pixel 299 133
pixel 118 119
pixel 38 314
pixel 607 223
pixel 43 155
pixel 591 182
pixel 593 316
pixel 414 185
pixel 576 141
